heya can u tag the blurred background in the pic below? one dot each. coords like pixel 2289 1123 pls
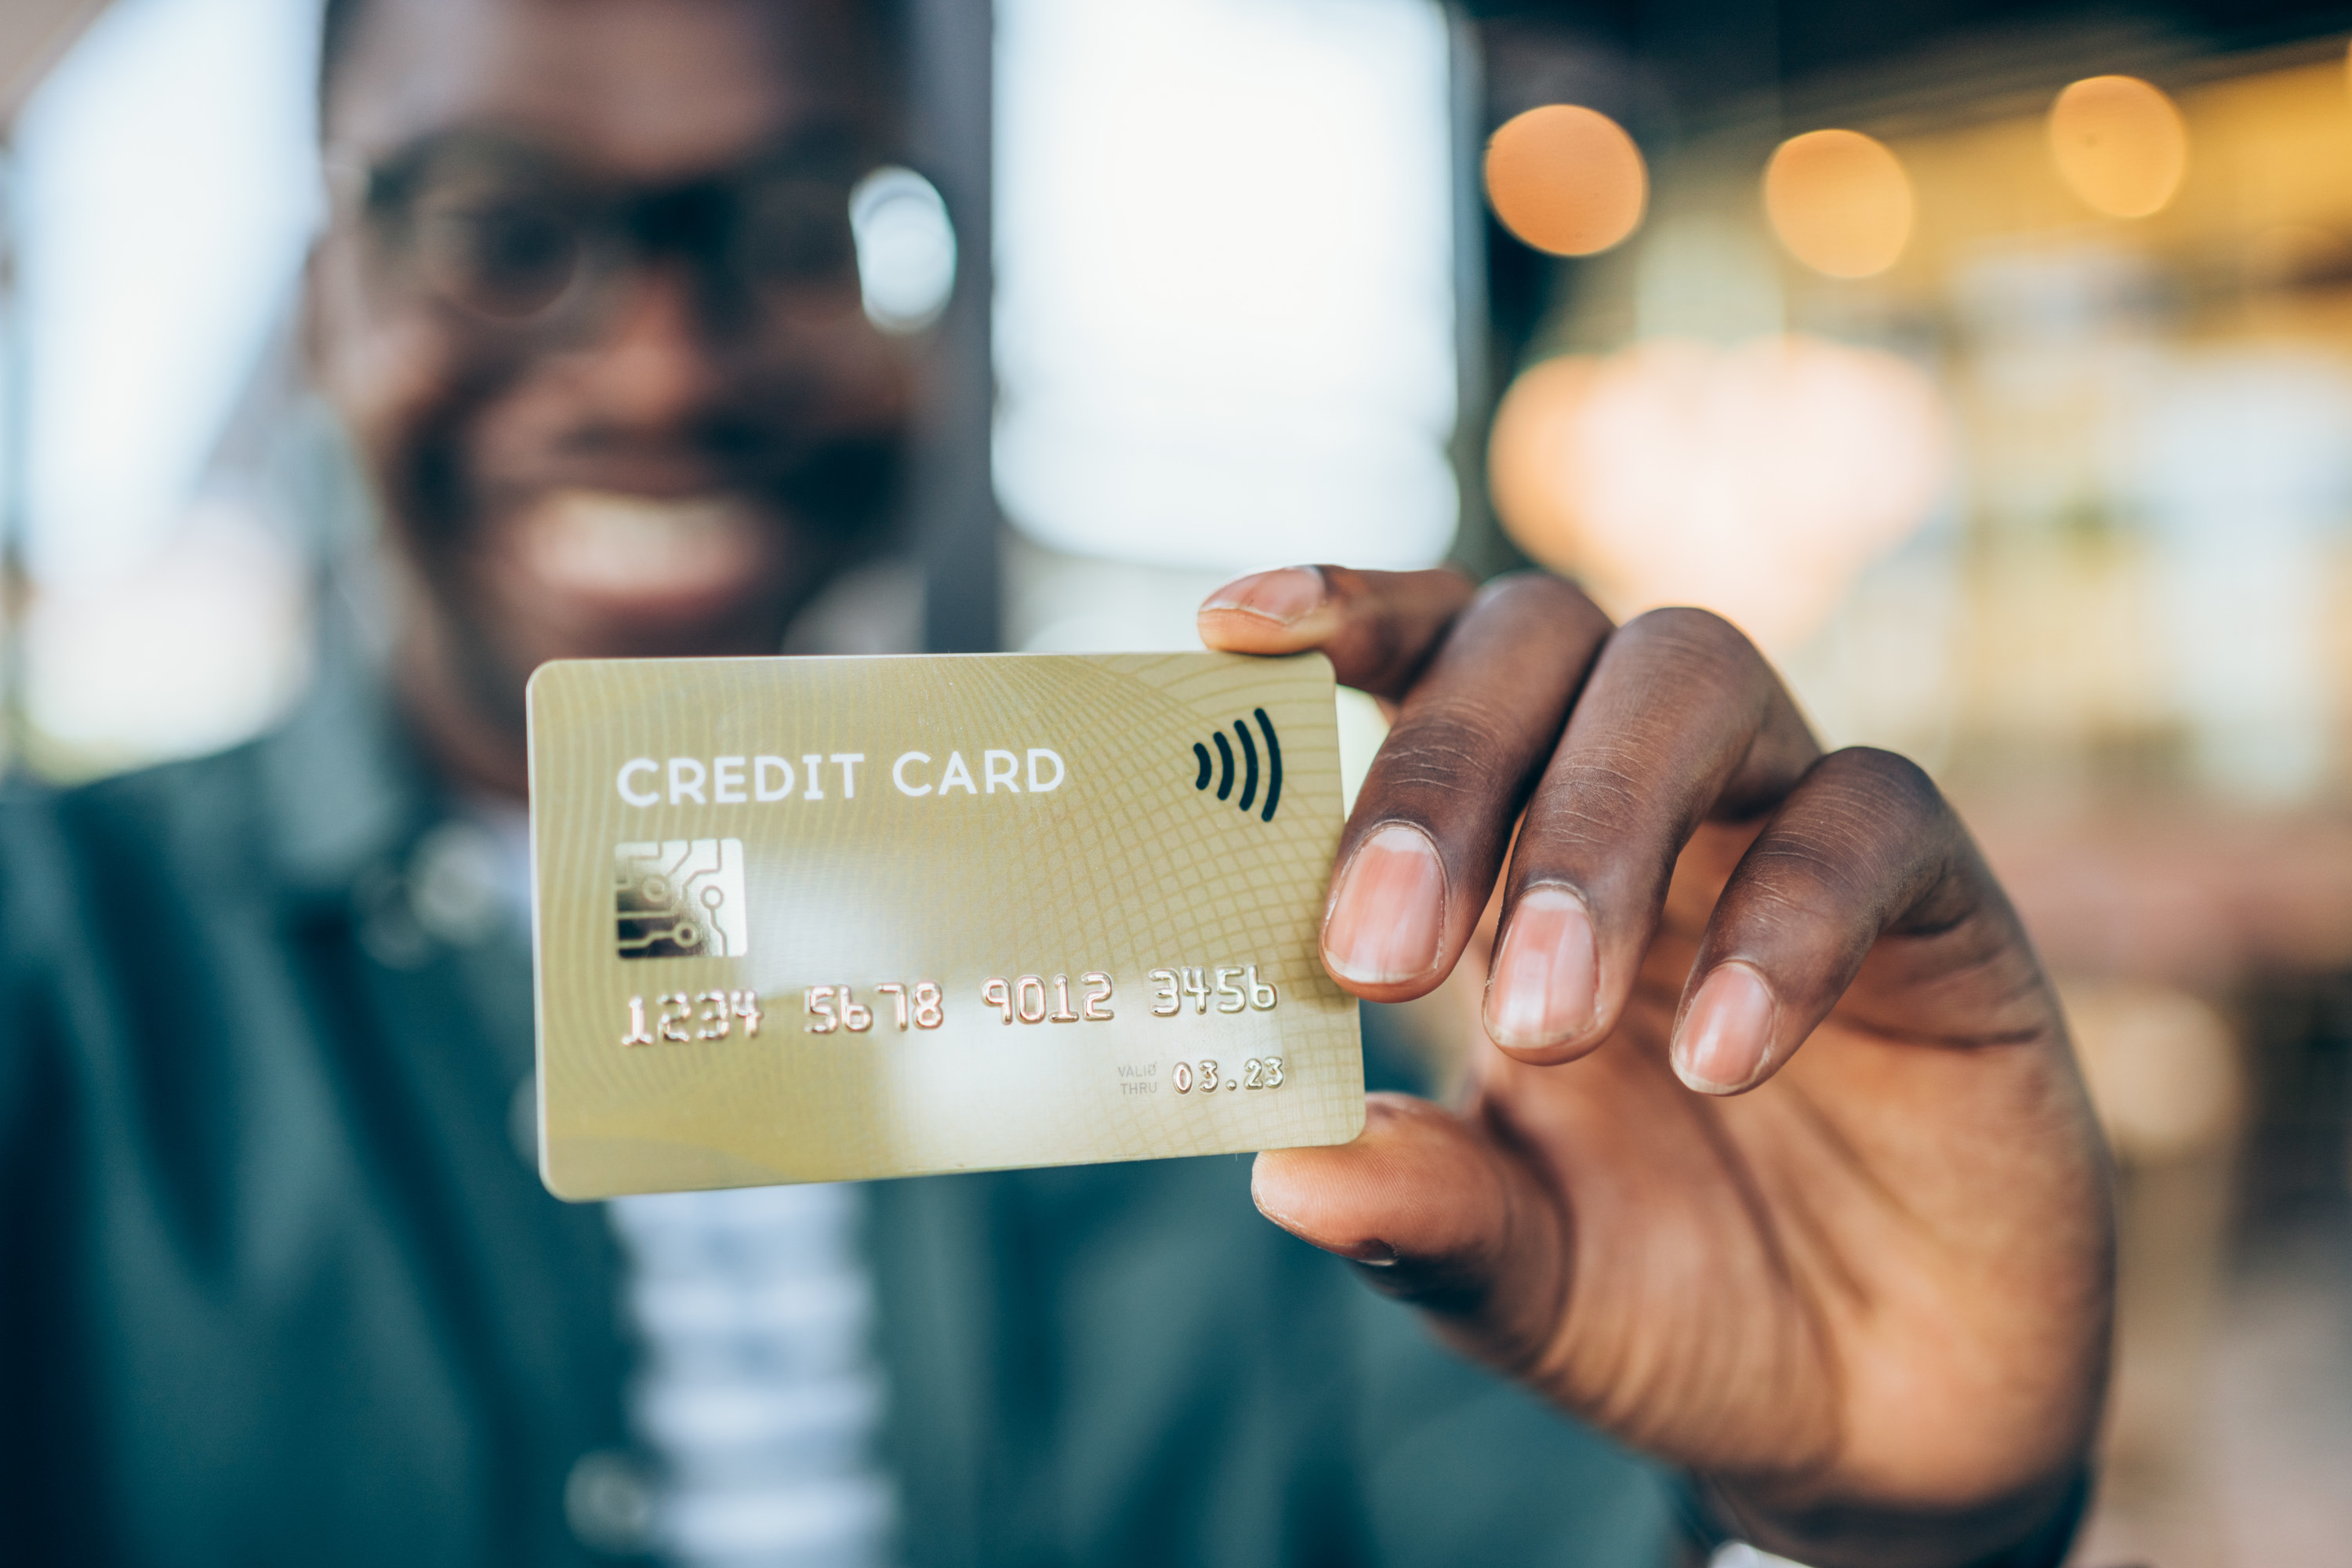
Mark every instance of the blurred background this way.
pixel 1991 363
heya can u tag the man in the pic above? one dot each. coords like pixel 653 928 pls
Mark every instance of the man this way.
pixel 1775 1166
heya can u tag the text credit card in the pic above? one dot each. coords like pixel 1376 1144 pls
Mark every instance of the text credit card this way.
pixel 806 920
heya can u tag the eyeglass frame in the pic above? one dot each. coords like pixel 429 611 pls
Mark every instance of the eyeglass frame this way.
pixel 624 225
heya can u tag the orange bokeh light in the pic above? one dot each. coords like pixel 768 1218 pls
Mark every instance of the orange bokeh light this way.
pixel 1567 179
pixel 2119 144
pixel 1840 201
pixel 1756 481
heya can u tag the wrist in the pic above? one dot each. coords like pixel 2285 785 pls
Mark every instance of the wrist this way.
pixel 2035 1531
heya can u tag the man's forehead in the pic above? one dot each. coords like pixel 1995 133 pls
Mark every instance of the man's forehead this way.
pixel 647 87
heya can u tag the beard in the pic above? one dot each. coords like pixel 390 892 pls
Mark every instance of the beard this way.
pixel 510 575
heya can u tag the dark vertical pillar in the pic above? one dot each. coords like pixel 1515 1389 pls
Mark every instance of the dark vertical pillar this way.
pixel 1479 546
pixel 956 523
pixel 1509 59
pixel 16 444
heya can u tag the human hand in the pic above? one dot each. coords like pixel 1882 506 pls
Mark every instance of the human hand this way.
pixel 1863 1289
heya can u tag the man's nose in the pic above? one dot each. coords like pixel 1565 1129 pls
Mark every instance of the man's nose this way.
pixel 659 363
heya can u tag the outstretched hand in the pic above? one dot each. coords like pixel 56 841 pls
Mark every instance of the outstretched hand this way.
pixel 1774 1161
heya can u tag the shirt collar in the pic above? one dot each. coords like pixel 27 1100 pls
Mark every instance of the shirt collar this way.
pixel 342 783
pixel 347 792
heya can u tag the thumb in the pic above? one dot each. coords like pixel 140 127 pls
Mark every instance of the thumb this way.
pixel 1441 1215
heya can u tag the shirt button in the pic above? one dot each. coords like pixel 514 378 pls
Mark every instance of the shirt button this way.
pixel 453 884
pixel 608 1501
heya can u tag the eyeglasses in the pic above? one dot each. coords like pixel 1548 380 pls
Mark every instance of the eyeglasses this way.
pixel 512 236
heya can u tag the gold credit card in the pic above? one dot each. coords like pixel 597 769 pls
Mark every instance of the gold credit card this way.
pixel 809 920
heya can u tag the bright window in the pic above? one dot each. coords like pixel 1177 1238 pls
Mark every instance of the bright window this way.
pixel 1224 279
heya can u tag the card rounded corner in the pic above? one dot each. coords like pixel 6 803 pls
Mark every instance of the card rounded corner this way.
pixel 556 1185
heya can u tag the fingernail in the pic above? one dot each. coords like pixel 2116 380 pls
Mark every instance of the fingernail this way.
pixel 1727 1038
pixel 1389 915
pixel 1282 597
pixel 1371 1254
pixel 1546 981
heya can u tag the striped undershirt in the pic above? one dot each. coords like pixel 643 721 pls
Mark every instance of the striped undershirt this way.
pixel 756 1396
pixel 757 1402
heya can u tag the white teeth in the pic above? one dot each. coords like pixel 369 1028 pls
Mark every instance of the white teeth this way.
pixel 602 542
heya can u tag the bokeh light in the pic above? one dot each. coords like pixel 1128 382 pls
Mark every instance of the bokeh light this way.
pixel 1755 481
pixel 2119 144
pixel 1567 179
pixel 1185 379
pixel 1840 201
pixel 905 249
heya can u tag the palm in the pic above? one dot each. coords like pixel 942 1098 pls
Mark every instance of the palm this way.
pixel 1745 1283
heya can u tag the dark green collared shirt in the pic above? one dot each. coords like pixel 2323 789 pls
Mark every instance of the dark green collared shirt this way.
pixel 278 1285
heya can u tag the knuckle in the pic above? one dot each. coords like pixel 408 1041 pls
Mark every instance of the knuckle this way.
pixel 1602 819
pixel 1457 747
pixel 1692 627
pixel 1880 819
pixel 1540 593
pixel 1608 782
pixel 1403 591
pixel 1345 588
pixel 1392 622
pixel 1886 780
pixel 1683 635
pixel 1816 867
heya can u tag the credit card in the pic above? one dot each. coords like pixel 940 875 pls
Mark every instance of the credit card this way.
pixel 812 920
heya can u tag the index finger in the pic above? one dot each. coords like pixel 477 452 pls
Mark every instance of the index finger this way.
pixel 1378 629
pixel 1484 679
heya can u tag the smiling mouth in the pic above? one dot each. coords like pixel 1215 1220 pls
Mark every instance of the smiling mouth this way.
pixel 643 558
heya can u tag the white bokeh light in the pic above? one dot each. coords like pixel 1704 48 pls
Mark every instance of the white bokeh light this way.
pixel 905 249
pixel 1224 279
pixel 170 190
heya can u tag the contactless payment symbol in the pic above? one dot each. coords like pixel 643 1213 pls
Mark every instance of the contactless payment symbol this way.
pixel 1222 769
pixel 682 898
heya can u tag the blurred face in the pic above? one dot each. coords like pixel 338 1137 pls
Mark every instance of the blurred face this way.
pixel 589 309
